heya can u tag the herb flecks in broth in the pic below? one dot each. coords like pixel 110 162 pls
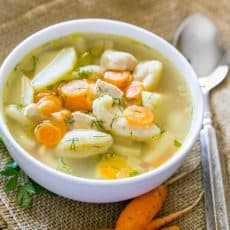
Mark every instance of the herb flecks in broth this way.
pixel 98 106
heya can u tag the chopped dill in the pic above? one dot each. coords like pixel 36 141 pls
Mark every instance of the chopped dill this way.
pixel 96 123
pixel 73 146
pixel 177 143
pixel 133 173
pixel 112 121
pixel 70 120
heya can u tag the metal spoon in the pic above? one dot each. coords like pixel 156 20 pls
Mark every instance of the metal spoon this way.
pixel 197 39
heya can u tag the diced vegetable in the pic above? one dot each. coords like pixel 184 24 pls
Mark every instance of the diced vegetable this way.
pixel 76 95
pixel 119 79
pixel 151 100
pixel 149 72
pixel 154 153
pixel 48 134
pixel 27 91
pixel 113 167
pixel 56 71
pixel 15 112
pixel 138 115
pixel 83 143
pixel 90 72
pixel 133 91
pixel 118 60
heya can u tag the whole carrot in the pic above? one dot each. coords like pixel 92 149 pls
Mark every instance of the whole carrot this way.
pixel 157 223
pixel 140 211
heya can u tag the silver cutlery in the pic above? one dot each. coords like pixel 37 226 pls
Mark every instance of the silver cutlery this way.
pixel 197 39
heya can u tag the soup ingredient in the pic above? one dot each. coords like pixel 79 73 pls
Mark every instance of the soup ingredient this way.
pixel 113 167
pixel 127 147
pixel 56 70
pixel 113 120
pixel 85 59
pixel 31 111
pixel 49 104
pixel 27 91
pixel 174 227
pixel 15 112
pixel 157 223
pixel 92 72
pixel 138 116
pixel 151 100
pixel 149 72
pixel 18 181
pixel 44 93
pixel 140 211
pixel 48 134
pixel 133 91
pixel 118 60
pixel 119 79
pixel 80 143
pixel 104 88
pixel 82 120
pixel 76 95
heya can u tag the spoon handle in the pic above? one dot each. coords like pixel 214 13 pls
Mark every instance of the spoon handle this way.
pixel 215 203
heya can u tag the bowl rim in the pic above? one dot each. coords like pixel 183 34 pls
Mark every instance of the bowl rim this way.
pixel 177 156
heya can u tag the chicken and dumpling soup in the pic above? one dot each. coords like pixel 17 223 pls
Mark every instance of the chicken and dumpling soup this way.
pixel 98 106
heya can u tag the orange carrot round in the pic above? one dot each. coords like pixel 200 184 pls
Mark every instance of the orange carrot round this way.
pixel 138 115
pixel 174 227
pixel 48 134
pixel 76 95
pixel 120 79
pixel 42 94
pixel 133 91
pixel 140 211
pixel 49 104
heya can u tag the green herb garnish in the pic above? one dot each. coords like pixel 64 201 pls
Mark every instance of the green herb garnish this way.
pixel 83 73
pixel 19 182
pixel 96 123
pixel 73 145
pixel 177 143
pixel 70 120
pixel 112 122
pixel 133 173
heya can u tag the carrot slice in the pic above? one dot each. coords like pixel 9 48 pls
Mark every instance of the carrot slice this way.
pixel 138 115
pixel 174 227
pixel 133 91
pixel 49 104
pixel 76 95
pixel 48 134
pixel 42 94
pixel 140 211
pixel 120 79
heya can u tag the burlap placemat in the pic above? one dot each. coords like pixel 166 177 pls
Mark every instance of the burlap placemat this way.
pixel 18 19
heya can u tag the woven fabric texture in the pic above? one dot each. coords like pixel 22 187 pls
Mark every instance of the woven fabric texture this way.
pixel 19 19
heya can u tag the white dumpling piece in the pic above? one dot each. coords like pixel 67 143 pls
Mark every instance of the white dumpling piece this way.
pixel 82 120
pixel 91 72
pixel 149 72
pixel 81 143
pixel 118 60
pixel 151 100
pixel 31 111
pixel 103 88
pixel 115 122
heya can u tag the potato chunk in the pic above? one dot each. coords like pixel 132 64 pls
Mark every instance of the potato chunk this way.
pixel 149 72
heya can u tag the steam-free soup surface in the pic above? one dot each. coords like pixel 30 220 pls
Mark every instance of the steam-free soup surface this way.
pixel 98 106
